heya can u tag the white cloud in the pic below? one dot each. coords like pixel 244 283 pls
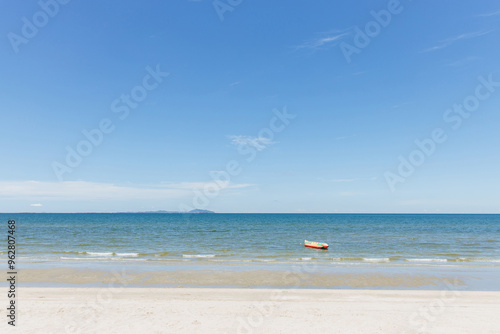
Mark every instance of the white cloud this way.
pixel 329 39
pixel 449 41
pixel 82 190
pixel 463 61
pixel 38 204
pixel 342 180
pixel 352 180
pixel 259 143
pixel 489 14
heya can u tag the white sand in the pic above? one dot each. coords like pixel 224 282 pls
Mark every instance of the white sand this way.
pixel 207 310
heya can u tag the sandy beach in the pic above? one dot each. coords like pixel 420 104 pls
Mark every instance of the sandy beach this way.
pixel 211 310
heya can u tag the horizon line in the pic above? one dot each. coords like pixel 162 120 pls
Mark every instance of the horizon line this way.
pixel 269 213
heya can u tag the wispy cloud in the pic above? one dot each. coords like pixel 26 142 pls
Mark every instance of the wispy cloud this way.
pixel 341 180
pixel 326 40
pixel 259 143
pixel 496 13
pixel 449 41
pixel 349 180
pixel 82 190
pixel 199 185
pixel 463 61
pixel 36 205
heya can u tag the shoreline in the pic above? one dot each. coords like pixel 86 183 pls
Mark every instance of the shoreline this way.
pixel 304 276
pixel 201 310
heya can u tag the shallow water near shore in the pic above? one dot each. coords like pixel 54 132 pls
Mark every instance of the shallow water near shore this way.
pixel 353 238
pixel 440 247
pixel 261 276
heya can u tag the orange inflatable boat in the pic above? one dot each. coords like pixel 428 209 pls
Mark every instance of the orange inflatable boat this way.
pixel 317 245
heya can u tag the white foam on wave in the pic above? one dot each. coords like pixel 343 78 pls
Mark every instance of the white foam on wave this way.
pixel 258 260
pixel 384 259
pixel 306 258
pixel 128 254
pixel 426 260
pixel 488 260
pixel 100 258
pixel 188 256
pixel 109 254
pixel 100 254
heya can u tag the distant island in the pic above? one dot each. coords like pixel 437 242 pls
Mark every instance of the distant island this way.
pixel 197 211
pixel 192 211
pixel 200 211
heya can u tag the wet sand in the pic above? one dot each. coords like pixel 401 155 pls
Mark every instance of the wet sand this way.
pixel 228 278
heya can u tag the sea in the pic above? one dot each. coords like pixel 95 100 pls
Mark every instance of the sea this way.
pixel 166 238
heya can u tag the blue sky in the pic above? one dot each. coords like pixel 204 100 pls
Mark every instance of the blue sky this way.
pixel 263 87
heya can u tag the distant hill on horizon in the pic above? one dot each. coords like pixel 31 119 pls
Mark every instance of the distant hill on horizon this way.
pixel 192 211
pixel 195 211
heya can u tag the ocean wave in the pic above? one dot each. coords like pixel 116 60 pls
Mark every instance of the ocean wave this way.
pixel 460 259
pixel 58 252
pixel 347 259
pixel 426 260
pixel 100 254
pixel 198 256
pixel 360 259
pixel 73 258
pixel 487 260
pixel 258 260
pixel 100 259
pixel 164 254
pixel 161 260
pixel 127 254
pixel 108 254
pixel 383 259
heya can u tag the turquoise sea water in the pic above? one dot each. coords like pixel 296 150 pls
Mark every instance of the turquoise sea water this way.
pixel 388 239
